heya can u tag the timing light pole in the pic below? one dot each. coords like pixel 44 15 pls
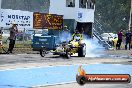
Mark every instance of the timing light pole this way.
pixel 130 23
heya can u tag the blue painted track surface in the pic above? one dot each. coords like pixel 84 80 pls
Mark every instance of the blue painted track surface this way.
pixel 23 77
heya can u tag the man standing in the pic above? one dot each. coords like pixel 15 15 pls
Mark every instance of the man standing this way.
pixel 0 39
pixel 119 41
pixel 128 39
pixel 12 38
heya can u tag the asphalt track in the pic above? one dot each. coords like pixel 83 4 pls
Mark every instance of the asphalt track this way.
pixel 51 75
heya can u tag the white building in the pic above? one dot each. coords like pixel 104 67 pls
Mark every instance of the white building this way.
pixel 80 11
pixel 77 14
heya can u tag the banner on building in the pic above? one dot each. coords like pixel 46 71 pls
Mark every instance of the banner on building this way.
pixel 47 21
pixel 24 19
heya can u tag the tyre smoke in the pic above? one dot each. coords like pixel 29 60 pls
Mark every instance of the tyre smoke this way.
pixel 93 48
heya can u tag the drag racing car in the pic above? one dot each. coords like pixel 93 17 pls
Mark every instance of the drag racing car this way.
pixel 66 49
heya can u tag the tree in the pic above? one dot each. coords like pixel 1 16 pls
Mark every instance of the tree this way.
pixel 113 14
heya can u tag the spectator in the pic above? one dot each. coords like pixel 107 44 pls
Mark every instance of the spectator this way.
pixel 0 37
pixel 119 41
pixel 12 38
pixel 70 5
pixel 82 30
pixel 128 39
pixel 1 30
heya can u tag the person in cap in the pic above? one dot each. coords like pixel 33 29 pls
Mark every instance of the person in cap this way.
pixel 65 28
pixel 12 37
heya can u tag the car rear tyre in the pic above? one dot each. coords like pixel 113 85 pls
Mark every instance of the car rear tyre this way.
pixel 82 50
pixel 68 55
pixel 42 52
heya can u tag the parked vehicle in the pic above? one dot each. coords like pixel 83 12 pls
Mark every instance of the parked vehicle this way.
pixel 109 37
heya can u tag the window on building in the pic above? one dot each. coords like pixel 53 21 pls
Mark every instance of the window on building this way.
pixel 70 3
pixel 82 3
pixel 86 4
pixel 90 4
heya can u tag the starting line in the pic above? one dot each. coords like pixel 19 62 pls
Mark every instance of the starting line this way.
pixel 27 77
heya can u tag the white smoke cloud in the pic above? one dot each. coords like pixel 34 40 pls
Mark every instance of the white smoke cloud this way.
pixel 65 36
pixel 93 48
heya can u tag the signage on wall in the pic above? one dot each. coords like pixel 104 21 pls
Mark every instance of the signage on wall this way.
pixel 79 15
pixel 85 15
pixel 23 19
pixel 47 21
